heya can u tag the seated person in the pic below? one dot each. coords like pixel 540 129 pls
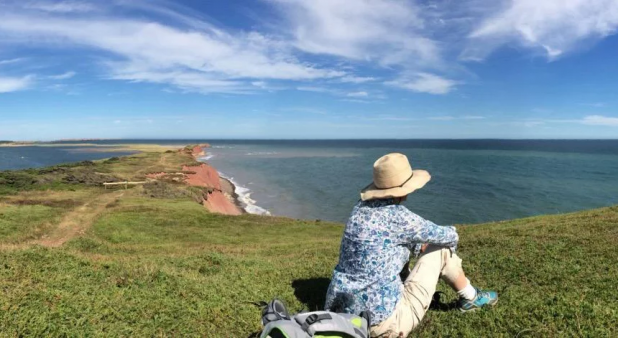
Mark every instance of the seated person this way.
pixel 379 237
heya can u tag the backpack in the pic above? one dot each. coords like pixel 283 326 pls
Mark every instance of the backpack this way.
pixel 278 323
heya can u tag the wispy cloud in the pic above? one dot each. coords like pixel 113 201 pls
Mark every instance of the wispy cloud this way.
pixel 357 94
pixel 590 120
pixel 10 61
pixel 61 6
pixel 413 45
pixel 13 84
pixel 63 76
pixel 442 118
pixel 209 60
pixel 425 83
pixel 553 27
pixel 385 31
pixel 315 89
pixel 356 79
pixel 599 120
pixel 451 118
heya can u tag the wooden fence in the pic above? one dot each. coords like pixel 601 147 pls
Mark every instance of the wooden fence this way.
pixel 125 183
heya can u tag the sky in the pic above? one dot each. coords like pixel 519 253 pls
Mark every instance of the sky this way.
pixel 297 69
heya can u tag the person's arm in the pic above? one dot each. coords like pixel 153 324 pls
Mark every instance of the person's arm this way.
pixel 418 230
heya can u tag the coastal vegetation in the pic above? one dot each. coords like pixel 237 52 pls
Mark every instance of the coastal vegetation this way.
pixel 77 259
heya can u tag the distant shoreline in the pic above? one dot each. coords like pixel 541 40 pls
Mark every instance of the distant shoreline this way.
pixel 100 147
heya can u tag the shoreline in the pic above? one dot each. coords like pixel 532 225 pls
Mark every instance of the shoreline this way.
pixel 231 189
pixel 224 196
pixel 247 204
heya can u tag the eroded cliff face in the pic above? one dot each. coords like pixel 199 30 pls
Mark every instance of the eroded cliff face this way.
pixel 202 176
pixel 198 151
pixel 195 151
pixel 216 200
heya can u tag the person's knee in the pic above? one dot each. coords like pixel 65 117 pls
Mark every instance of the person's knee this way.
pixel 452 265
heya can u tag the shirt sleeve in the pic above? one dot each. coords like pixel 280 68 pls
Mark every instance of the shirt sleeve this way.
pixel 417 230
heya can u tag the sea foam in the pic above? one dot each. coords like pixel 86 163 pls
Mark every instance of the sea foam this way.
pixel 244 196
pixel 243 193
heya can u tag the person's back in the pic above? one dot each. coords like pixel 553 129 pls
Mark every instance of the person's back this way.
pixel 371 258
pixel 378 240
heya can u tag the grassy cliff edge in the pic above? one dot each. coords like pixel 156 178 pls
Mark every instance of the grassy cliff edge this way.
pixel 150 261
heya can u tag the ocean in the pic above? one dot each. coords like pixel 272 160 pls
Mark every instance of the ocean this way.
pixel 473 181
pixel 12 158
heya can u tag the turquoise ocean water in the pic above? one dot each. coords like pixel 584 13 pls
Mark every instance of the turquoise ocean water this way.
pixel 472 180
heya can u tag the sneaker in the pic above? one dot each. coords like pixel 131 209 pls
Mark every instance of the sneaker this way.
pixel 483 298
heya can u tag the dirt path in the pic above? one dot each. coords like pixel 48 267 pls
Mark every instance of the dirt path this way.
pixel 76 222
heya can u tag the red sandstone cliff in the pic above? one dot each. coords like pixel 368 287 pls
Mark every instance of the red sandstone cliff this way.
pixel 195 151
pixel 218 199
pixel 208 177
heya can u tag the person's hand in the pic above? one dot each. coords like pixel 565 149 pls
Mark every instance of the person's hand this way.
pixel 424 247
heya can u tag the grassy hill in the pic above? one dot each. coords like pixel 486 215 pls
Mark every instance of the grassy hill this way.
pixel 80 260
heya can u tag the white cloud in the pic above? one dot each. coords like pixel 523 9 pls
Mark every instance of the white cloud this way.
pixel 10 61
pixel 63 76
pixel 356 79
pixel 425 83
pixel 260 84
pixel 409 41
pixel 205 61
pixel 442 118
pixel 553 27
pixel 358 94
pixel 61 6
pixel 599 120
pixel 386 31
pixel 474 117
pixel 13 84
pixel 314 89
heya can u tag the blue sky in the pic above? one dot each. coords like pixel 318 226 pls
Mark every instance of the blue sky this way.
pixel 308 69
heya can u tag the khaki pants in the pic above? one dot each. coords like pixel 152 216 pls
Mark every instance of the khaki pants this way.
pixel 418 290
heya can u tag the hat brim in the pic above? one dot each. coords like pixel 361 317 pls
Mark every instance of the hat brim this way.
pixel 418 180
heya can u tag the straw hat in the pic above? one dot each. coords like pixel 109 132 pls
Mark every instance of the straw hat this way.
pixel 393 177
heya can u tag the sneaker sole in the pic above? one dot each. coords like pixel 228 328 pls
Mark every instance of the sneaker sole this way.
pixel 478 308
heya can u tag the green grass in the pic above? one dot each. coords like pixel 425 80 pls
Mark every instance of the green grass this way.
pixel 167 267
pixel 19 223
pixel 71 176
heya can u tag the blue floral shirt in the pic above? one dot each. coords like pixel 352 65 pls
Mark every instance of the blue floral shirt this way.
pixel 376 244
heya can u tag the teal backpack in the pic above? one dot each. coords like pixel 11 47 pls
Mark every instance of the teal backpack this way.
pixel 278 323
